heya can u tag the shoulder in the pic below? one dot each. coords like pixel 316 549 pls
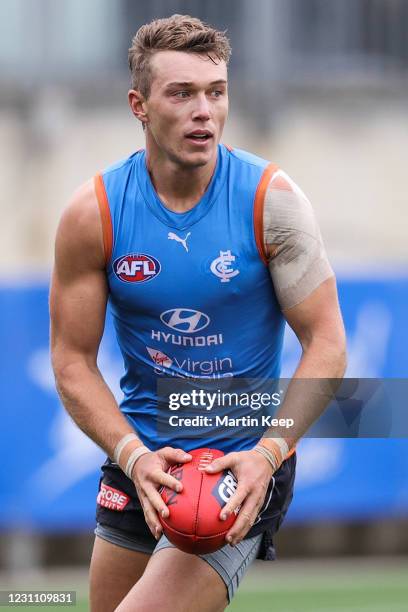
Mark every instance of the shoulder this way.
pixel 294 249
pixel 81 215
pixel 79 232
pixel 286 208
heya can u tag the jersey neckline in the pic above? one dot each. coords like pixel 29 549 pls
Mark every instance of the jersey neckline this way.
pixel 182 220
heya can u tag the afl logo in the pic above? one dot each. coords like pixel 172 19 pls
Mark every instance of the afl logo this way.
pixel 136 268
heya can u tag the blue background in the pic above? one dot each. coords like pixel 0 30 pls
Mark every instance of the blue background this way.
pixel 49 469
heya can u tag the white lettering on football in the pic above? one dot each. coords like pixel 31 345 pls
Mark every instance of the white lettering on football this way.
pixel 227 487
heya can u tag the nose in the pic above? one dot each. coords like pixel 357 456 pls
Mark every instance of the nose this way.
pixel 201 108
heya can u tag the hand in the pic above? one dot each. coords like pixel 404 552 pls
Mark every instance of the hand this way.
pixel 148 475
pixel 253 473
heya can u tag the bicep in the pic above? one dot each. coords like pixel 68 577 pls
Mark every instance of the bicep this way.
pixel 78 293
pixel 77 311
pixel 318 316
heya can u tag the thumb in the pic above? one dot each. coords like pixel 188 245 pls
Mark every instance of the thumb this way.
pixel 218 464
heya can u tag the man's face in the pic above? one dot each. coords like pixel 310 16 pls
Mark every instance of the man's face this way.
pixel 187 106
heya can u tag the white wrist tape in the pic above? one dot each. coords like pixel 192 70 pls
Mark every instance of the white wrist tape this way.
pixel 275 456
pixel 283 446
pixel 121 445
pixel 133 457
pixel 270 457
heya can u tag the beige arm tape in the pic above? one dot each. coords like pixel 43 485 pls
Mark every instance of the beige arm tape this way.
pixel 299 263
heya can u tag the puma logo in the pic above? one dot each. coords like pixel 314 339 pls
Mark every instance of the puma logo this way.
pixel 183 241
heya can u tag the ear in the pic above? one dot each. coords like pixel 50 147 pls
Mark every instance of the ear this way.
pixel 137 105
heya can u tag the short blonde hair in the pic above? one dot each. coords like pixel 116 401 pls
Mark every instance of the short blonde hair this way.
pixel 178 33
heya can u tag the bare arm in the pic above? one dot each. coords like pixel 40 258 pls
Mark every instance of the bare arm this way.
pixel 306 289
pixel 78 306
pixel 318 324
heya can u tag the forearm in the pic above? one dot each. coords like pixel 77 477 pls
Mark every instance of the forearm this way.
pixel 91 404
pixel 322 358
pixel 311 389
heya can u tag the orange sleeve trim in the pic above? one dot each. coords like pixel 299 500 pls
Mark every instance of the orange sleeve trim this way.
pixel 106 218
pixel 259 209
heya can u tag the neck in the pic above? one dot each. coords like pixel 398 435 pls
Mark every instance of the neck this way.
pixel 179 187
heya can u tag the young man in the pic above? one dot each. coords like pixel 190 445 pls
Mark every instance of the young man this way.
pixel 185 235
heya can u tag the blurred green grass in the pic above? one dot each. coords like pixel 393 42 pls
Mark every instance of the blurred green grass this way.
pixel 341 586
pixel 308 586
pixel 316 600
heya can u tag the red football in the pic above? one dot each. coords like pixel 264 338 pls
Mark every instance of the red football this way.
pixel 194 523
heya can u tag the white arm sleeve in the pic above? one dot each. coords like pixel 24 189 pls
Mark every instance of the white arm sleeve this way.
pixel 298 263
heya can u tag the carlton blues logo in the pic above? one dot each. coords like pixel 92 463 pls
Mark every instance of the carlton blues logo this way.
pixel 136 268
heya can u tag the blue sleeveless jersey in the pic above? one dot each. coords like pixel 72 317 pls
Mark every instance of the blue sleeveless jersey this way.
pixel 189 292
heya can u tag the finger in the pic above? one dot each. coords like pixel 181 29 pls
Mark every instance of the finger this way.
pixel 161 478
pixel 245 519
pixel 234 502
pixel 174 455
pixel 151 517
pixel 156 501
pixel 221 463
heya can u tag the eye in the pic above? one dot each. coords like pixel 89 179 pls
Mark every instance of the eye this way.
pixel 216 93
pixel 181 94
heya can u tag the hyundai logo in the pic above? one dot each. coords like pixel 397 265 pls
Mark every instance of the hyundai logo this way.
pixel 185 320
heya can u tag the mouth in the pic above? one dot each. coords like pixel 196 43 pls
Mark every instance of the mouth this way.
pixel 199 136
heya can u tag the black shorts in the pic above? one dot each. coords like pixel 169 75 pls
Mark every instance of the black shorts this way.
pixel 118 506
